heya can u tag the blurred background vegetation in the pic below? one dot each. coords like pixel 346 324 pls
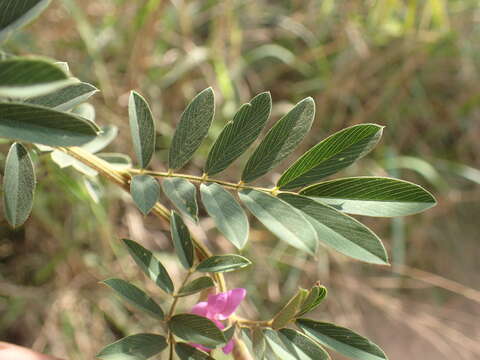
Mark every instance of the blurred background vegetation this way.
pixel 412 65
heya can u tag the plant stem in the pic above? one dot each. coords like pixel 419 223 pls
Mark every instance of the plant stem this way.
pixel 122 179
pixel 202 179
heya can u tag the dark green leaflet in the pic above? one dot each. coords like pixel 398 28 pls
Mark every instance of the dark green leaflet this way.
pixel 239 133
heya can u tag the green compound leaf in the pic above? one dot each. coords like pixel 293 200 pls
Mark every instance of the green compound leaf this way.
pixel 314 298
pixel 65 99
pixel 289 311
pixel 301 346
pixel 134 347
pixel 258 342
pixel 187 352
pixel 227 214
pixel 341 339
pixel 340 231
pixel 282 219
pixel 183 194
pixel 223 263
pixel 25 77
pixel 192 129
pixel 372 196
pixel 17 13
pixel 182 240
pixel 195 286
pixel 277 347
pixel 150 265
pixel 239 134
pixel 18 185
pixel 142 128
pixel 281 140
pixel 145 192
pixel 331 155
pixel 136 297
pixel 44 126
pixel 196 329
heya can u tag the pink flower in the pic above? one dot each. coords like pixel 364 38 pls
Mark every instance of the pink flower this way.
pixel 220 307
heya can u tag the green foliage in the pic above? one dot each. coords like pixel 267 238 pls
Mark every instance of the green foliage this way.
pixel 145 192
pixel 280 141
pixel 23 77
pixel 192 129
pixel 183 194
pixel 331 155
pixel 186 352
pixel 136 297
pixel 372 196
pixel 280 218
pixel 196 286
pixel 20 12
pixel 142 127
pixel 340 231
pixel 315 296
pixel 343 340
pixel 150 265
pixel 181 240
pixel 18 185
pixel 66 98
pixel 196 329
pixel 301 346
pixel 239 134
pixel 134 347
pixel 223 263
pixel 290 310
pixel 45 126
pixel 227 214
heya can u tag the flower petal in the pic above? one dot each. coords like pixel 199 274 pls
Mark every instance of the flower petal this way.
pixel 227 349
pixel 200 309
pixel 234 298
pixel 216 303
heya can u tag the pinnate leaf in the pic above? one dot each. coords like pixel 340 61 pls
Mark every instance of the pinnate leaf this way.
pixel 44 126
pixel 331 155
pixel 227 214
pixel 372 196
pixel 282 219
pixel 136 297
pixel 183 194
pixel 145 192
pixel 196 329
pixel 339 231
pixel 150 265
pixel 223 263
pixel 239 133
pixel 281 140
pixel 18 185
pixel 341 339
pixel 142 128
pixel 134 347
pixel 182 240
pixel 192 129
